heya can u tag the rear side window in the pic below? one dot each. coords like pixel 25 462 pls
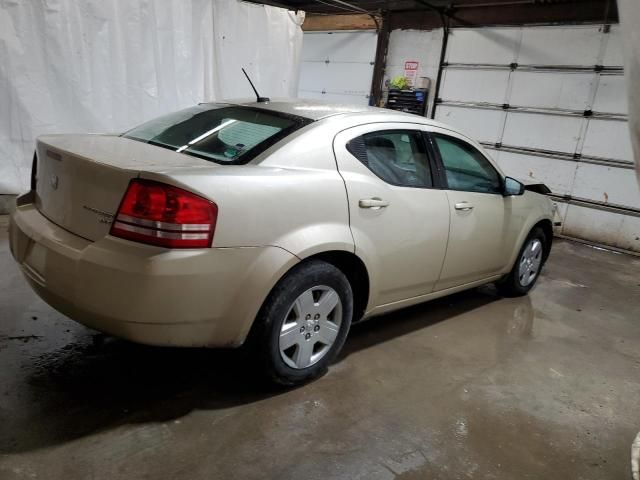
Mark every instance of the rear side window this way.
pixel 398 157
pixel 466 168
pixel 221 134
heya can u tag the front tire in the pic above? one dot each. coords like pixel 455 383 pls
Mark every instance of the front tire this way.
pixel 526 270
pixel 303 323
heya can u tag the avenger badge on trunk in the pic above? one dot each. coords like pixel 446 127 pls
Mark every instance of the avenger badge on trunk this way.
pixel 105 217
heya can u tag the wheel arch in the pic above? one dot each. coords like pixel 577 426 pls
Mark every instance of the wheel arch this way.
pixel 547 227
pixel 347 262
pixel 356 272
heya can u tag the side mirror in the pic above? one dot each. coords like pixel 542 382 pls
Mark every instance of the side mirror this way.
pixel 512 187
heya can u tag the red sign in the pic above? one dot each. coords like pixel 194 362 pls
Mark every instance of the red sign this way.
pixel 411 71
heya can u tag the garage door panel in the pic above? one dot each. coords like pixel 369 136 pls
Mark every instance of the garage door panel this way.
pixel 560 45
pixel 339 46
pixel 554 173
pixel 590 223
pixel 358 99
pixel 321 76
pixel 480 124
pixel 616 229
pixel 608 139
pixel 346 77
pixel 629 237
pixel 311 94
pixel 558 95
pixel 607 184
pixel 611 96
pixel 613 54
pixel 312 76
pixel 492 85
pixel 561 210
pixel 482 46
pixel 546 132
pixel 568 91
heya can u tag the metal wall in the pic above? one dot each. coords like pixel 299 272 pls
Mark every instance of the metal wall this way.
pixel 338 66
pixel 549 102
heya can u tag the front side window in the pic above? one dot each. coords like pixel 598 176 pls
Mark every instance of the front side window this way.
pixel 398 157
pixel 222 134
pixel 465 167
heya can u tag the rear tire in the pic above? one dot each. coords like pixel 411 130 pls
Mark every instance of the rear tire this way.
pixel 303 323
pixel 526 270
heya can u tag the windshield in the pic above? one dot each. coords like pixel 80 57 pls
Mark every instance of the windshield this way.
pixel 221 134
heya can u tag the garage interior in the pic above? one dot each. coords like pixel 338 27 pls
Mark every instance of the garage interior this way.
pixel 468 386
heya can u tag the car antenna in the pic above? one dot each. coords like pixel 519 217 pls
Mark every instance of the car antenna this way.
pixel 259 99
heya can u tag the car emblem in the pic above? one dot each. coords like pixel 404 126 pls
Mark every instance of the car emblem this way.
pixel 105 217
pixel 53 181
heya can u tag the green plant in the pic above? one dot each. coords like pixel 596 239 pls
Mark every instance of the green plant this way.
pixel 399 82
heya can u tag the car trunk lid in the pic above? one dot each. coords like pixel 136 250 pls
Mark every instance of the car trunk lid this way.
pixel 81 179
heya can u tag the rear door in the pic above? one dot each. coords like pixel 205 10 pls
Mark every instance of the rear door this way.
pixel 399 219
pixel 480 215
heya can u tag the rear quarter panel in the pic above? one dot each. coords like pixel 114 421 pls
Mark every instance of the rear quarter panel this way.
pixel 292 197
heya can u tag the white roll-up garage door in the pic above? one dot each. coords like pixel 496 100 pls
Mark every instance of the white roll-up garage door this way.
pixel 549 102
pixel 338 66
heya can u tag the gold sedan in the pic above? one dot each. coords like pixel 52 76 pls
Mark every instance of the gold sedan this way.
pixel 275 224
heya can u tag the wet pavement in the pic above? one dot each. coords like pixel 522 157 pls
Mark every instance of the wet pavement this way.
pixel 470 386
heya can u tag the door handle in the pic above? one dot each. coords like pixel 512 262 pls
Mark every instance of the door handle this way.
pixel 464 206
pixel 374 202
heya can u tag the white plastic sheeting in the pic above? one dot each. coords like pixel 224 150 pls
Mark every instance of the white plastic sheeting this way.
pixel 107 65
pixel 266 41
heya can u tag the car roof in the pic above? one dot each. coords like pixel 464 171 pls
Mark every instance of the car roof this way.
pixel 317 110
pixel 310 109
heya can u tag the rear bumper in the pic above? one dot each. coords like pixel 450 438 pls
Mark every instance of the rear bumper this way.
pixel 151 295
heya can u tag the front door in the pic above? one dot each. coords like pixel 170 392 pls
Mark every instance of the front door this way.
pixel 480 218
pixel 400 222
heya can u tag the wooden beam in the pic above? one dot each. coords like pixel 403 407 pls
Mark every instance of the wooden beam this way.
pixel 584 11
pixel 314 23
pixel 382 48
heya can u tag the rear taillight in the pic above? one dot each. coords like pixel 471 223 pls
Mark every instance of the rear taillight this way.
pixel 164 215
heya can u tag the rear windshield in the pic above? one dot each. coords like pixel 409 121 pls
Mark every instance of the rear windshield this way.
pixel 220 134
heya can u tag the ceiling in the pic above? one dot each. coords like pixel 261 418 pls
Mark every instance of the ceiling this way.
pixel 373 6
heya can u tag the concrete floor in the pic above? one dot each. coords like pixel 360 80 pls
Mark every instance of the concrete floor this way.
pixel 472 386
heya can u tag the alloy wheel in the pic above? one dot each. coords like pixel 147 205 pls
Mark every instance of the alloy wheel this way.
pixel 310 327
pixel 530 262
